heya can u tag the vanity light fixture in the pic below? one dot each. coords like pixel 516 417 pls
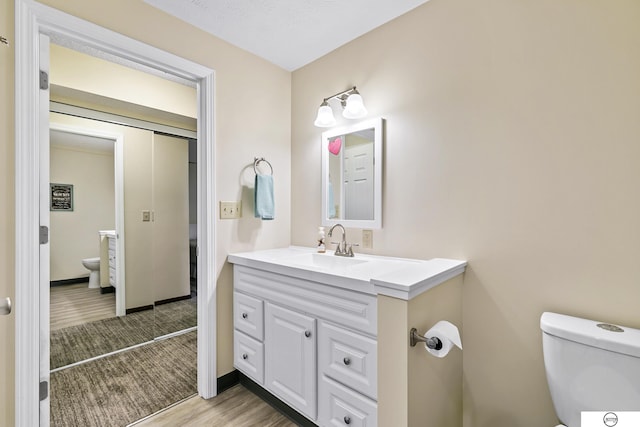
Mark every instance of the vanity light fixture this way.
pixel 352 104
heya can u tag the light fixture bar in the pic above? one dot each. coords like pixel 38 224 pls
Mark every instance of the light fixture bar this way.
pixel 342 96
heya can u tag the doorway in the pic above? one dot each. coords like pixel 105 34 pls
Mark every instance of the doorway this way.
pixel 36 23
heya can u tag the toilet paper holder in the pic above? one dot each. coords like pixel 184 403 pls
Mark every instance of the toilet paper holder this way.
pixel 433 343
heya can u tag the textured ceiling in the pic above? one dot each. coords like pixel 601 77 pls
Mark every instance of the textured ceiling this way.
pixel 288 33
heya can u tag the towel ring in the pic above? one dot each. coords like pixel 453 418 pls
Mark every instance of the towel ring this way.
pixel 256 161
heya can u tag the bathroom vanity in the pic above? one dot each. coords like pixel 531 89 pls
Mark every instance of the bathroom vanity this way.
pixel 108 276
pixel 306 325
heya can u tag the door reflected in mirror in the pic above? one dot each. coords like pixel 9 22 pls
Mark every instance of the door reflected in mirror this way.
pixel 352 175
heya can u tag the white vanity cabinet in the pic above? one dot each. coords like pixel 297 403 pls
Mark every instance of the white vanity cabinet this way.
pixel 108 254
pixel 317 343
pixel 112 260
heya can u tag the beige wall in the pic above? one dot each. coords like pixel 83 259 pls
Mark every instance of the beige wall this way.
pixel 74 235
pixel 252 117
pixel 511 142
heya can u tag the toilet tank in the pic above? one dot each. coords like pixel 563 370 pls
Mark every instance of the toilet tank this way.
pixel 591 366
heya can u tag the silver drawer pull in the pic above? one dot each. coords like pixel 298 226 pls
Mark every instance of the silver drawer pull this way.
pixel 346 361
pixel 245 356
pixel 245 315
pixel 307 333
pixel 347 420
pixel 5 306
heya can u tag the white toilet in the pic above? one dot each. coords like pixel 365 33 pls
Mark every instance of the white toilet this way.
pixel 591 366
pixel 93 265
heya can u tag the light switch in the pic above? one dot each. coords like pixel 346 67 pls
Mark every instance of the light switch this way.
pixel 146 216
pixel 230 210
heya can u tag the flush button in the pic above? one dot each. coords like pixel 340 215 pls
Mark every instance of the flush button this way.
pixel 610 328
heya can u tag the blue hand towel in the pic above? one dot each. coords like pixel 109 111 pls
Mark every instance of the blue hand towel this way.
pixel 263 197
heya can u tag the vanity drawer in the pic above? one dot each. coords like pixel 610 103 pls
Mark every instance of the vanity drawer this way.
pixel 248 356
pixel 340 406
pixel 248 315
pixel 349 358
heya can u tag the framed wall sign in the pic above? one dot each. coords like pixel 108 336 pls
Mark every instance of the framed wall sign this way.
pixel 61 197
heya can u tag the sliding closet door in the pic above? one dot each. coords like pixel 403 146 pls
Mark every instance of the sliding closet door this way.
pixel 170 270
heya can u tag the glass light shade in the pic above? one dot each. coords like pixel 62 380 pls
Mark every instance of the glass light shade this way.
pixel 325 117
pixel 355 107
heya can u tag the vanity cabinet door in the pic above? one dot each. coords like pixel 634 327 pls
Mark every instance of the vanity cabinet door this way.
pixel 290 358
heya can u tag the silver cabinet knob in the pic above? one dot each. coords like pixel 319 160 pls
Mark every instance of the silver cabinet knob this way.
pixel 245 315
pixel 245 356
pixel 307 333
pixel 5 306
pixel 346 361
pixel 347 420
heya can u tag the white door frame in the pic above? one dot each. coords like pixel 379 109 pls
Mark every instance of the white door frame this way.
pixel 118 155
pixel 31 20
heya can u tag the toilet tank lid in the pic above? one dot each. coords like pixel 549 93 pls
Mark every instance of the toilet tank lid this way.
pixel 588 332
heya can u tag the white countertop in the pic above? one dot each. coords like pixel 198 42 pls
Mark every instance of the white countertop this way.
pixel 107 233
pixel 397 277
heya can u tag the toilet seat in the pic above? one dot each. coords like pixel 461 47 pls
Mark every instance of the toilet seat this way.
pixel 91 262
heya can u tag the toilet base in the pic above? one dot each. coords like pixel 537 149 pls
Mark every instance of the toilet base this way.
pixel 94 279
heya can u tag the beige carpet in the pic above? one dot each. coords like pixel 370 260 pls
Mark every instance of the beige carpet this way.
pixel 81 342
pixel 120 389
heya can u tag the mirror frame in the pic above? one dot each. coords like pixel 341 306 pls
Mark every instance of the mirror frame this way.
pixel 378 125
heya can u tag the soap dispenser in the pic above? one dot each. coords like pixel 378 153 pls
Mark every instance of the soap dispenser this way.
pixel 321 247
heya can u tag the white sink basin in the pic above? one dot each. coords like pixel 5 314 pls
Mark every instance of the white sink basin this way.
pixel 326 261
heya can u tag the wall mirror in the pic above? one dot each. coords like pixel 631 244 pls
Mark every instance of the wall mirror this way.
pixel 352 175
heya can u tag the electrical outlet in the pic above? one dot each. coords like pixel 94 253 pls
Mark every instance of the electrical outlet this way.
pixel 230 210
pixel 367 239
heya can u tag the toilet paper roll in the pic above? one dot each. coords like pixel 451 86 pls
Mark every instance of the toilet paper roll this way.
pixel 448 334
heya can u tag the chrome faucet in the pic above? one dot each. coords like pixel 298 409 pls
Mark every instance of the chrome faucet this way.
pixel 343 249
